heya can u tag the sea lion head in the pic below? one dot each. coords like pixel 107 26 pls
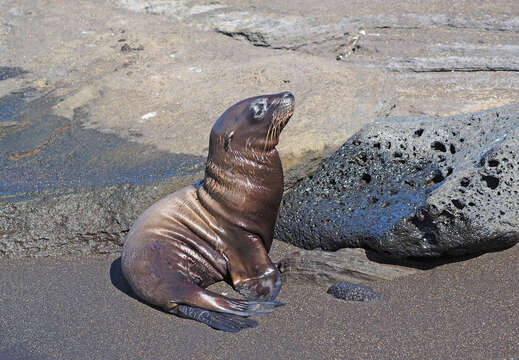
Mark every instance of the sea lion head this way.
pixel 253 124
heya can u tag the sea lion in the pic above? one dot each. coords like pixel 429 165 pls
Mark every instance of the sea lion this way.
pixel 220 228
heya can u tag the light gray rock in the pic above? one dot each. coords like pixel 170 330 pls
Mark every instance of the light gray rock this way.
pixel 414 187
pixel 443 58
pixel 265 27
pixel 325 268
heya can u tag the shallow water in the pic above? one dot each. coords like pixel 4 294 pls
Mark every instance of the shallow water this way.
pixel 41 151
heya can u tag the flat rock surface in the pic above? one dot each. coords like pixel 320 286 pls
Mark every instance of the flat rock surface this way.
pixel 69 309
pixel 444 57
pixel 44 151
pixel 152 80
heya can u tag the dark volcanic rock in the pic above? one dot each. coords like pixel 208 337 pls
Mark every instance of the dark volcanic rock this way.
pixel 353 292
pixel 65 189
pixel 414 187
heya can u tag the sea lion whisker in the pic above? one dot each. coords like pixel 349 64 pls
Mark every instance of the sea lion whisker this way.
pixel 269 137
pixel 265 141
pixel 266 138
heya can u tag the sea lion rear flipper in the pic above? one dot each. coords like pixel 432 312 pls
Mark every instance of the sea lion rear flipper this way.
pixel 216 320
pixel 226 314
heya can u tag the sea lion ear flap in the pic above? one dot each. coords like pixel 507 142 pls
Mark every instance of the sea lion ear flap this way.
pixel 228 139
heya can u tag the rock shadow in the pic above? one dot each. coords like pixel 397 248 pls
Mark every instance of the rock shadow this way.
pixel 426 263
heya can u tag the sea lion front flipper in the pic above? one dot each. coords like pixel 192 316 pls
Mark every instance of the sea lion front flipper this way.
pixel 254 275
pixel 216 320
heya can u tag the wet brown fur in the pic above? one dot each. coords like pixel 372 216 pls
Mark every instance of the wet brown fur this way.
pixel 222 227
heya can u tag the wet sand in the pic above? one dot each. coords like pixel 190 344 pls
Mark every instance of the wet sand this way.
pixel 74 308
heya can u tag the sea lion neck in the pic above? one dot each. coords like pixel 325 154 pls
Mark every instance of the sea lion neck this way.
pixel 244 187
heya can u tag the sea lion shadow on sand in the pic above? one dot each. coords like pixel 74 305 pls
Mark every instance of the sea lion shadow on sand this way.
pixel 119 282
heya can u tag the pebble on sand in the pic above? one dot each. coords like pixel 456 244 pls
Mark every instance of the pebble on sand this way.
pixel 353 292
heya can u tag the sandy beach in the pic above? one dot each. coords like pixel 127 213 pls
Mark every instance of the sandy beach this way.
pixel 71 309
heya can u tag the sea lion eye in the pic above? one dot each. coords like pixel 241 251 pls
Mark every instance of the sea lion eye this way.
pixel 259 108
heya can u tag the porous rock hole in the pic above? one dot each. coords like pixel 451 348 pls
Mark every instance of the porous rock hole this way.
pixel 493 163
pixel 458 204
pixel 452 149
pixel 438 146
pixel 418 132
pixel 365 179
pixel 491 181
